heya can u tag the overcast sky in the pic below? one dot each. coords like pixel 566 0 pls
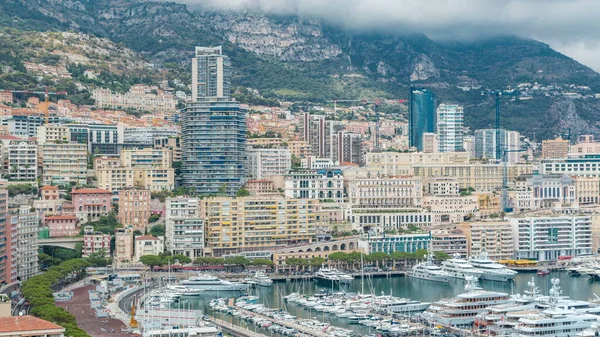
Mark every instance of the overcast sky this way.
pixel 569 26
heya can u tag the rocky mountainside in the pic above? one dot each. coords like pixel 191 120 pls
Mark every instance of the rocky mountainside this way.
pixel 305 59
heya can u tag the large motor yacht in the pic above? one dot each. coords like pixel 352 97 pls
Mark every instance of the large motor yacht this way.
pixel 492 271
pixel 213 283
pixel 332 276
pixel 460 268
pixel 429 271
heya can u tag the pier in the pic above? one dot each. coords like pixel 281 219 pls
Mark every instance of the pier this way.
pixel 234 330
pixel 283 278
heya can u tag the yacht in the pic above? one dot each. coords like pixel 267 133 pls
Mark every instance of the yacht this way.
pixel 183 290
pixel 429 271
pixel 492 271
pixel 556 321
pixel 259 279
pixel 332 275
pixel 460 268
pixel 463 309
pixel 213 283
pixel 406 305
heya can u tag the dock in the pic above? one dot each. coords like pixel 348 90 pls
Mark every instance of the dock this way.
pixel 297 327
pixel 234 330
pixel 284 278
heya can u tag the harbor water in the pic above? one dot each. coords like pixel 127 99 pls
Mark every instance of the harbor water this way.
pixel 581 288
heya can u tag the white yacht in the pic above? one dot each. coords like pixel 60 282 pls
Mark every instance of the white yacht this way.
pixel 463 309
pixel 460 268
pixel 183 290
pixel 556 321
pixel 213 283
pixel 492 271
pixel 429 271
pixel 407 305
pixel 332 275
pixel 259 279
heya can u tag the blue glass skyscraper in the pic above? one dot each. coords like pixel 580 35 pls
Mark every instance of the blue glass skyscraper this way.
pixel 422 116
pixel 213 128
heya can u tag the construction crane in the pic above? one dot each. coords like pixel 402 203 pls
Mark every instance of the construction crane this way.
pixel 133 323
pixel 505 198
pixel 44 106
pixel 497 95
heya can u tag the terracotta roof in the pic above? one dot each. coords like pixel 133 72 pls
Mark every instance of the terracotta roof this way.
pixel 26 323
pixel 90 190
pixel 145 238
pixel 48 187
pixel 61 217
pixel 9 137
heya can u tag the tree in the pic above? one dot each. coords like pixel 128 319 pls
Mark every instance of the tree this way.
pixel 262 262
pixel 171 259
pixel 441 256
pixel 99 259
pixel 377 257
pixel 154 218
pixel 151 260
pixel 157 230
pixel 137 232
pixel 242 192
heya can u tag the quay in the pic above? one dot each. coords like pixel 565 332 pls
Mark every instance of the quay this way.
pixel 233 329
pixel 283 278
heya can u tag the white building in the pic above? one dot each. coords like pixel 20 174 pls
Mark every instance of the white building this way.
pixel 450 118
pixel 177 210
pixel 147 135
pixel 188 237
pixel 449 209
pixel 21 160
pixel 540 191
pixel 315 163
pixel 27 242
pixel 547 238
pixel 148 245
pixel 324 184
pixel 442 186
pixel 53 133
pixel 485 144
pixel 583 166
pixel 385 192
pixel 265 162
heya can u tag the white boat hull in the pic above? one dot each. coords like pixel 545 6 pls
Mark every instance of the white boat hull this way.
pixel 496 277
pixel 412 307
pixel 429 277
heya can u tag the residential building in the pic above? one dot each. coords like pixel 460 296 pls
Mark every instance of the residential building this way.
pixel 27 242
pixel 448 209
pixel 177 209
pixel 555 148
pixel 49 193
pixel 21 159
pixel 431 142
pixel 587 190
pixel 320 184
pixel 450 121
pixel 123 245
pixel 422 116
pixel 64 164
pixel 315 163
pixel 173 144
pixel 148 245
pixel 146 136
pixel 587 165
pixel 347 147
pixel 391 163
pixel 134 208
pixel 53 133
pixel 100 139
pixel 62 225
pixel 211 73
pixel 5 239
pixel 442 186
pixel 405 243
pixel 494 238
pixel 323 136
pixel 259 188
pixel 91 203
pixel 450 241
pixel 265 162
pixel 25 125
pixel 188 237
pixel 300 148
pixel 139 97
pixel 485 144
pixel 29 326
pixel 538 191
pixel 149 169
pixel 95 242
pixel 546 238
pixel 585 145
pixel 234 225
pixel 6 96
pixel 377 222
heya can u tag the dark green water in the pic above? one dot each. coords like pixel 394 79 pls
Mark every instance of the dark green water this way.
pixel 581 288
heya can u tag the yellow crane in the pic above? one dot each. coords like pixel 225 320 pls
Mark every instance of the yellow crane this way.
pixel 133 323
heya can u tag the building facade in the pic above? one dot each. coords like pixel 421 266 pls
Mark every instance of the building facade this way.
pixel 22 160
pixel 406 243
pixel 148 245
pixel 177 210
pixel 547 238
pixel 27 243
pixel 324 184
pixel 62 225
pixel 134 208
pixel 555 148
pixel 450 121
pixel 485 144
pixel 91 203
pixel 123 252
pixel 265 162
pixel 139 97
pixel 493 238
pixel 422 116
pixel 95 242
pixel 64 164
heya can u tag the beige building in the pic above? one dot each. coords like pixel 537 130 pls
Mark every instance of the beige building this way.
pixel 555 148
pixel 385 192
pixel 489 203
pixel 134 208
pixel 148 245
pixel 431 142
pixel 64 163
pixel 494 238
pixel 53 133
pixel 388 163
pixel 259 188
pixel 148 169
pixel 299 148
pixel 586 145
pixel 587 190
pixel 234 225
pixel 450 209
pixel 451 241
pixel 139 97
pixel 123 245
pixel 442 186
pixel 173 144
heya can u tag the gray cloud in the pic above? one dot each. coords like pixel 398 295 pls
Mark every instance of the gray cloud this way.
pixel 570 26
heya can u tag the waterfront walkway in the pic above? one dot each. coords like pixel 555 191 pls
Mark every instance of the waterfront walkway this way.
pixel 234 329
pixel 298 327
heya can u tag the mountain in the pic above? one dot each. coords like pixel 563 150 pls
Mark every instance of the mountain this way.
pixel 296 58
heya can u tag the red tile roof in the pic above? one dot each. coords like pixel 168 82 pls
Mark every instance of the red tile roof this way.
pixel 145 238
pixel 90 190
pixel 48 187
pixel 26 323
pixel 9 137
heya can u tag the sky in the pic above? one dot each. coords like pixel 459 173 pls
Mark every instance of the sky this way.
pixel 569 26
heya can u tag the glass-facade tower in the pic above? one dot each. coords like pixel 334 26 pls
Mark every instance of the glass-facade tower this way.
pixel 422 115
pixel 213 128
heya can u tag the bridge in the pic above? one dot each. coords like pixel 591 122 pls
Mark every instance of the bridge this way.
pixel 61 242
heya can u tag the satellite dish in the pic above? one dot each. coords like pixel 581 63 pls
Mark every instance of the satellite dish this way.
pixel 21 313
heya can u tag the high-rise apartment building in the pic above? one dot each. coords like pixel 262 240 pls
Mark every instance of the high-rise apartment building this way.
pixel 422 116
pixel 265 162
pixel 211 74
pixel 64 164
pixel 27 242
pixel 184 228
pixel 450 118
pixel 485 144
pixel 5 239
pixel 555 148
